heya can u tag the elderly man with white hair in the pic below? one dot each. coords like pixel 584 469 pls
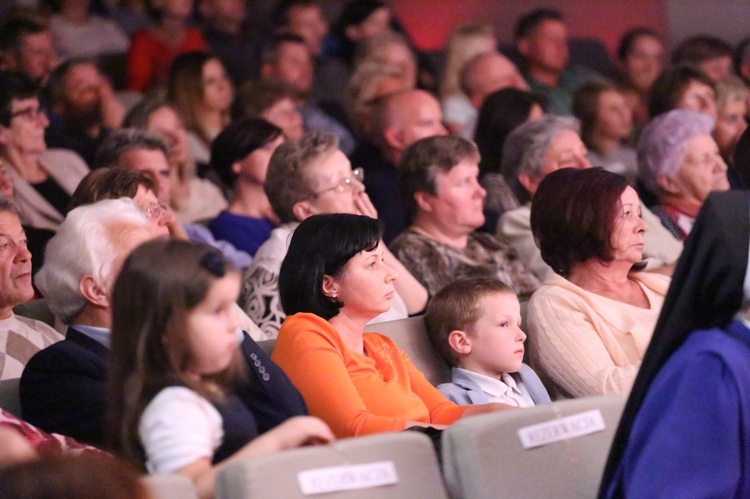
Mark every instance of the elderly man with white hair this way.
pixel 20 337
pixel 63 386
pixel 679 161
pixel 538 148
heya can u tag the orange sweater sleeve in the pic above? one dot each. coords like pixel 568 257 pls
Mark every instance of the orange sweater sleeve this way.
pixel 356 394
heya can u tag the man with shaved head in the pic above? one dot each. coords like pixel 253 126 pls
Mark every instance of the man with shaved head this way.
pixel 483 75
pixel 400 119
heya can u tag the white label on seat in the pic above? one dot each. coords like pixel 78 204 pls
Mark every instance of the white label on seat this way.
pixel 358 476
pixel 573 426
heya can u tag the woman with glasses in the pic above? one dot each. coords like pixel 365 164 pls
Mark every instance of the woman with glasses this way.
pixel 240 156
pixel 307 177
pixel 43 179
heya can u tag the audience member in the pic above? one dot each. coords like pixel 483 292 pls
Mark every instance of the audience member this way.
pixel 85 108
pixel 193 198
pixel 711 55
pixel 465 42
pixel 741 60
pixel 732 97
pixel 474 324
pixel 481 76
pixel 640 58
pixel 26 46
pixel 591 321
pixel 154 49
pixel 62 386
pixel 115 183
pixel 79 33
pixel 359 20
pixel 240 156
pixel 42 179
pixel 178 383
pixel 230 39
pixel 287 60
pixel 371 82
pixel 202 94
pixel 741 162
pixel 500 114
pixel 307 177
pixel 20 338
pixel 273 102
pixel 303 18
pixel 389 48
pixel 401 119
pixel 700 345
pixel 444 201
pixel 333 281
pixel 538 148
pixel 541 37
pixel 606 125
pixel 679 162
pixel 682 87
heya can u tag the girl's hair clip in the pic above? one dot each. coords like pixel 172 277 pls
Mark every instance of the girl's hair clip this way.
pixel 213 262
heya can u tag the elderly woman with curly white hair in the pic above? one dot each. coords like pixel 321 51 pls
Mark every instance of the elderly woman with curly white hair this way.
pixel 680 163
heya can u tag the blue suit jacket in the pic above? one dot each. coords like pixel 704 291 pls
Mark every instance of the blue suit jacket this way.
pixel 63 389
pixel 464 390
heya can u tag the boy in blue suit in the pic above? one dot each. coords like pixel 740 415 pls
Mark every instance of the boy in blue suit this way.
pixel 475 326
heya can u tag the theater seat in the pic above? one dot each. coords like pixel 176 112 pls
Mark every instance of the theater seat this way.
pixel 410 455
pixel 410 335
pixel 172 486
pixel 483 456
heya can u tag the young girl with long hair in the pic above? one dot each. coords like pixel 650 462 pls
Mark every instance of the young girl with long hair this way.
pixel 175 366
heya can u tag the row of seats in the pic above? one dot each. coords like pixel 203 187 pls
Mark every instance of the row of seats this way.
pixel 482 456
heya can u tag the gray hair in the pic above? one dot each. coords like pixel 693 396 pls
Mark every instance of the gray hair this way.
pixel 124 140
pixel 83 246
pixel 7 205
pixel 663 142
pixel 526 146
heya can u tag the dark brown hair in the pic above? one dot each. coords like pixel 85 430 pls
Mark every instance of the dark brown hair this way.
pixel 458 306
pixel 573 216
pixel 110 183
pixel 586 107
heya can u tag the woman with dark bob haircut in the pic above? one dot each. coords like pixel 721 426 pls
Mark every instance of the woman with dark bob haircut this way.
pixel 591 321
pixel 333 281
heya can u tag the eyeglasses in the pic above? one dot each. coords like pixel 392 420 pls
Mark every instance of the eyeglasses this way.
pixel 345 183
pixel 32 113
pixel 154 210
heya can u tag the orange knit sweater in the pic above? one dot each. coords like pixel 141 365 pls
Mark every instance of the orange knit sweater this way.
pixel 357 394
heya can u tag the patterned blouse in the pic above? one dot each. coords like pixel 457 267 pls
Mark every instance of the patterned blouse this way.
pixel 436 264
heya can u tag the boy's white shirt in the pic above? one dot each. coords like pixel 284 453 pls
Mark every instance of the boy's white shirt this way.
pixel 506 390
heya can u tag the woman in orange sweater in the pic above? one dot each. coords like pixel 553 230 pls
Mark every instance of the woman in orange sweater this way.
pixel 333 281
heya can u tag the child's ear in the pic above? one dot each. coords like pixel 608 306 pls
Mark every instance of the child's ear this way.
pixel 460 342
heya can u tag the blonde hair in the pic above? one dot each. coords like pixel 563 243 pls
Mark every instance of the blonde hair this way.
pixel 466 42
pixel 364 90
pixel 730 89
